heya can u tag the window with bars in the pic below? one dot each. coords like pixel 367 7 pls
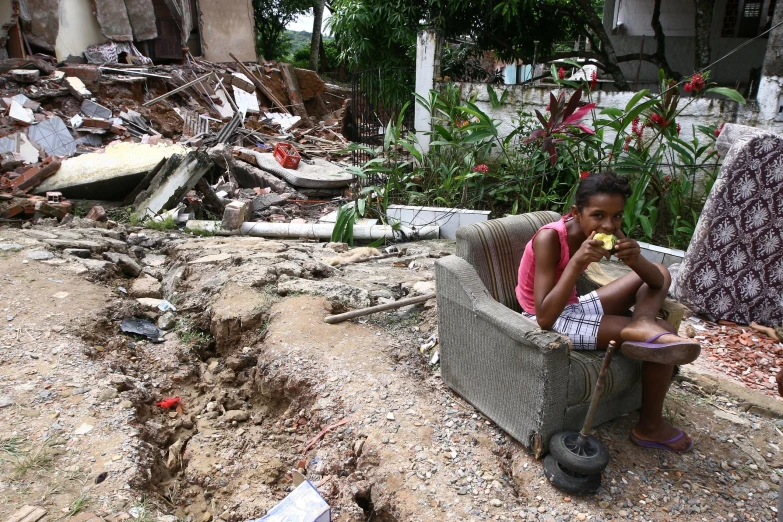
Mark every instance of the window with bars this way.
pixel 747 18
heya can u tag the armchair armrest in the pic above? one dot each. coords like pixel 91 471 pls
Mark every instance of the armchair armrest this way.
pixel 497 359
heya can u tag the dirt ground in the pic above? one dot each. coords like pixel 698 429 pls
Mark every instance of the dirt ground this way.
pixel 267 388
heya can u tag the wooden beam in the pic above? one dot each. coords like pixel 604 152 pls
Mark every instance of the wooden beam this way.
pixel 261 87
pixel 291 85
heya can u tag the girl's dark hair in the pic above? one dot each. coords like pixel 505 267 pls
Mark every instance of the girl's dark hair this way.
pixel 601 183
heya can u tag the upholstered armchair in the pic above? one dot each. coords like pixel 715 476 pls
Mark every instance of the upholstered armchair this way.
pixel 528 381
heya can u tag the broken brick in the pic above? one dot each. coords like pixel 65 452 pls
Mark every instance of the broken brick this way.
pixel 97 213
pixel 34 176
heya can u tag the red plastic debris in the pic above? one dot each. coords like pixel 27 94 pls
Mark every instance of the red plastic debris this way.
pixel 169 403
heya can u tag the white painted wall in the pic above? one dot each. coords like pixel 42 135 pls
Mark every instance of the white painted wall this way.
pixel 677 18
pixel 699 112
pixel 78 29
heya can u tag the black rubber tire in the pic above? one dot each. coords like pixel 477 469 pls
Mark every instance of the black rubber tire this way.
pixel 570 481
pixel 589 459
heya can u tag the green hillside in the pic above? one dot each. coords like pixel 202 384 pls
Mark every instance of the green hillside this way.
pixel 300 39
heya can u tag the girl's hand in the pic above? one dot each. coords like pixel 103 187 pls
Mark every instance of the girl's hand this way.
pixel 627 250
pixel 591 251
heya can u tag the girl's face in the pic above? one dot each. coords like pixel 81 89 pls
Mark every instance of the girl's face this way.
pixel 603 213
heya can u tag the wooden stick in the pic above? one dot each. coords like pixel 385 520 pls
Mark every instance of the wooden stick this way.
pixel 178 89
pixel 333 319
pixel 260 85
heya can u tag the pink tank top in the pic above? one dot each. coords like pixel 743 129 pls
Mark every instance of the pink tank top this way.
pixel 527 267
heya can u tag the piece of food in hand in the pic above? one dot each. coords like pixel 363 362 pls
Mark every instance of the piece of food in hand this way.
pixel 609 240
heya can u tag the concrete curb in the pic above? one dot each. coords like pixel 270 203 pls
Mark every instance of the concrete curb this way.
pixel 749 400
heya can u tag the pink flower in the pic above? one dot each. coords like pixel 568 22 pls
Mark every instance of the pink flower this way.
pixel 561 73
pixel 635 125
pixel 667 178
pixel 584 174
pixel 481 168
pixel 679 128
pixel 593 80
pixel 717 131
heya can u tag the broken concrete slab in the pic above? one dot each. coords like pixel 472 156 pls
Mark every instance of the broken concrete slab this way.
pixel 265 201
pixel 146 286
pixel 352 296
pixel 141 14
pixel 124 262
pixel 77 88
pixel 322 174
pixel 109 175
pixel 211 259
pixel 54 137
pixel 176 178
pixel 25 75
pixel 113 19
pixel 80 244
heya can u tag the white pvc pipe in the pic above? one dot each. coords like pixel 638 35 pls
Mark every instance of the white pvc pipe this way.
pixel 314 230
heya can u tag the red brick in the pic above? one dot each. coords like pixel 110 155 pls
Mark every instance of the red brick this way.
pixel 86 73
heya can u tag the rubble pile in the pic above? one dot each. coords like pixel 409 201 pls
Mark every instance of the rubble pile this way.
pixel 174 142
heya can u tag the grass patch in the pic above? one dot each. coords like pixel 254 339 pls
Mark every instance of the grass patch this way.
pixel 78 504
pixel 191 335
pixel 201 232
pixel 38 459
pixel 142 513
pixel 168 223
pixel 11 446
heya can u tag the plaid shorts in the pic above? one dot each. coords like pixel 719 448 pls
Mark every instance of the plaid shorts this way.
pixel 580 321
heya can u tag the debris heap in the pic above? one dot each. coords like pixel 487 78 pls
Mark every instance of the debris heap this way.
pixel 199 139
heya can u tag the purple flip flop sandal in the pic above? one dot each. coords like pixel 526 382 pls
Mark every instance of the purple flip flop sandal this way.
pixel 680 352
pixel 663 445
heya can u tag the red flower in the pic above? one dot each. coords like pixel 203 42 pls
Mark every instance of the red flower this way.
pixel 635 125
pixel 481 168
pixel 548 108
pixel 561 73
pixel 627 141
pixel 657 119
pixel 678 129
pixel 697 82
pixel 667 178
pixel 717 131
pixel 584 174
pixel 688 87
pixel 593 80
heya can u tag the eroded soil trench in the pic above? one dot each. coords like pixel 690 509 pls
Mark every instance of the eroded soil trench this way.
pixel 268 388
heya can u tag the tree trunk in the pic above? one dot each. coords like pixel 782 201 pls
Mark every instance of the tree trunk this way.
pixel 596 25
pixel 660 43
pixel 315 43
pixel 704 10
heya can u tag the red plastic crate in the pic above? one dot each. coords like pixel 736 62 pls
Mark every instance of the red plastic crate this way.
pixel 286 155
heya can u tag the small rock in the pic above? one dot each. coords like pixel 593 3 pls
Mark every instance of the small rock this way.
pixel 84 429
pixel 10 247
pixel 5 402
pixel 390 416
pixel 773 477
pixel 40 255
pixel 236 416
pixel 495 502
pixel 108 394
pixel 206 517
pixel 167 321
pixel 763 486
pixel 126 404
pixel 149 303
pixel 357 447
pixel 603 504
pixel 581 516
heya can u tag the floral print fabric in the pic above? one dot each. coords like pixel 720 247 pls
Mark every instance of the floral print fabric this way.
pixel 733 268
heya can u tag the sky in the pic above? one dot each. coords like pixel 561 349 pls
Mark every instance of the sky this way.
pixel 305 23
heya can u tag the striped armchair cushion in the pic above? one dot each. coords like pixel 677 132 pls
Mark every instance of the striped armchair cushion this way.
pixel 495 248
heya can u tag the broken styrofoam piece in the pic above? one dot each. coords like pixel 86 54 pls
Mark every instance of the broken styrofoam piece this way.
pixel 95 110
pixel 314 230
pixel 286 121
pixel 224 107
pixel 110 174
pixel 76 121
pixel 178 176
pixel 20 114
pixel 54 137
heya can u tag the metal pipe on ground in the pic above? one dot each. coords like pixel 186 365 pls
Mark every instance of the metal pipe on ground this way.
pixel 313 230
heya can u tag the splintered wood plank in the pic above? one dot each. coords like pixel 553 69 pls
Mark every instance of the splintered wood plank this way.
pixel 27 514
